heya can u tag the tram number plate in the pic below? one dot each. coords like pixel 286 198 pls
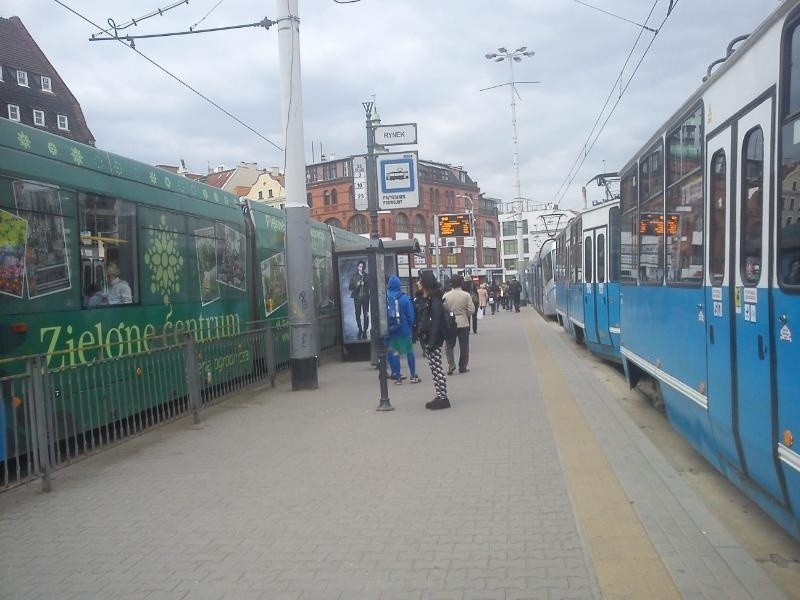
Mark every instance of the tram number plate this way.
pixel 717 309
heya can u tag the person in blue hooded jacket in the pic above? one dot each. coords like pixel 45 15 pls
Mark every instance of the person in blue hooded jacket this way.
pixel 401 324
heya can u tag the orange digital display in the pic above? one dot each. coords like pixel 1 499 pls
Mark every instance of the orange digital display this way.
pixel 653 224
pixel 454 226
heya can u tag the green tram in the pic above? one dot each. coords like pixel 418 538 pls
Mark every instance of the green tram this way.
pixel 103 257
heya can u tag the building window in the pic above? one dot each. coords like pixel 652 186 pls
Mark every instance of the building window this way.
pixel 1 73
pixel 347 168
pixel 419 224
pixel 489 256
pixel 13 112
pixel 63 123
pixel 358 224
pixel 334 196
pixel 22 78
pixel 488 229
pixel 269 194
pixel 260 195
pixel 47 85
pixel 334 222
pixel 509 247
pixel 329 171
pixel 510 264
pixel 509 228
pixel 38 117
pixel 308 200
pixel 326 198
pixel 401 223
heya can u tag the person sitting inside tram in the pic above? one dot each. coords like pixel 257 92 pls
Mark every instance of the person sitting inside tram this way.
pixel 119 292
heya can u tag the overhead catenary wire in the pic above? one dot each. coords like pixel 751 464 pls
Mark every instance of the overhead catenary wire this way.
pixel 132 22
pixel 590 142
pixel 176 78
pixel 205 16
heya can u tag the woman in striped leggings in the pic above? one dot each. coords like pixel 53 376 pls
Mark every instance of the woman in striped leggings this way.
pixel 432 334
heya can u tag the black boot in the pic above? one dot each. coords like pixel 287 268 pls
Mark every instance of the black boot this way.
pixel 438 404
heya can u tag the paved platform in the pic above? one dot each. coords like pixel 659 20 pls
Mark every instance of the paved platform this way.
pixel 535 484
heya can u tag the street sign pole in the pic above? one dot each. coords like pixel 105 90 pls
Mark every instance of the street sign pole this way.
pixel 376 304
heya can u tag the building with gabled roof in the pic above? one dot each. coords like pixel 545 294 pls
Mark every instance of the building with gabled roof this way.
pixel 31 90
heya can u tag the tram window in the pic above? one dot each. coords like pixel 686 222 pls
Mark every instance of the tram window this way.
pixel 684 147
pixel 719 203
pixel 684 230
pixel 614 239
pixel 601 258
pixel 108 251
pixel 752 206
pixel 46 255
pixel 792 54
pixel 788 266
pixel 587 259
pixel 629 228
pixel 651 219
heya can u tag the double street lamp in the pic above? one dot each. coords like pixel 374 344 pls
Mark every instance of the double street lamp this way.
pixel 517 55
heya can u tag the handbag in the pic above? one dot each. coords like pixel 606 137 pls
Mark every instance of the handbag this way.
pixel 480 313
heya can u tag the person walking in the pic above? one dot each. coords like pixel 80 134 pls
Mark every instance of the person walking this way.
pixel 514 291
pixel 469 287
pixel 494 297
pixel 459 303
pixel 432 332
pixel 483 298
pixel 401 321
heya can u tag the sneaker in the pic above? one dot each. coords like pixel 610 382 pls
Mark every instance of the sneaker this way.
pixel 398 381
pixel 414 379
pixel 451 370
pixel 438 404
pixel 463 370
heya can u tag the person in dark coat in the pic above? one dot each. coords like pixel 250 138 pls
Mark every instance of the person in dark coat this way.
pixel 514 290
pixel 432 333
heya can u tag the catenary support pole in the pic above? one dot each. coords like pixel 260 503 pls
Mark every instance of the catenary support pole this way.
pixel 302 313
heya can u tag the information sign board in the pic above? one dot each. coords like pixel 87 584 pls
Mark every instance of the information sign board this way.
pixel 397 180
pixel 360 182
pixel 455 226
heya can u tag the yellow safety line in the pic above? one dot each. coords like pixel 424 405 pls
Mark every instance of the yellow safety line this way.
pixel 625 562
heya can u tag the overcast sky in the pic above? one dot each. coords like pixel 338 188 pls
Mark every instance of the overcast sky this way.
pixel 422 59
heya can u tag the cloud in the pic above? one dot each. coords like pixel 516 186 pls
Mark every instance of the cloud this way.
pixel 423 61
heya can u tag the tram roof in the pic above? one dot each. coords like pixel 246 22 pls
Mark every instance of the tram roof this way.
pixel 779 13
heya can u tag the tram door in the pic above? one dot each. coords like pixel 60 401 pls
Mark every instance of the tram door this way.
pixel 719 299
pixel 595 289
pixel 750 274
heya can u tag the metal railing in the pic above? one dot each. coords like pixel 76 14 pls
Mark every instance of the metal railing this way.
pixel 50 417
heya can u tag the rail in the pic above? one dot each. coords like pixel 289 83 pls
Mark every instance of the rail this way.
pixel 52 416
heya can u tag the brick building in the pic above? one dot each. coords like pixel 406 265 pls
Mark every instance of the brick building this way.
pixel 444 189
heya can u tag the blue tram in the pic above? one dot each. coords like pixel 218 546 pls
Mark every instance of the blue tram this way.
pixel 706 260
pixel 542 280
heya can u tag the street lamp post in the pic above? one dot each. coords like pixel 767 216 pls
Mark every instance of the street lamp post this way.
pixel 517 55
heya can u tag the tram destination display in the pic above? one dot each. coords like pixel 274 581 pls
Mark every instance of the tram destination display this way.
pixel 455 226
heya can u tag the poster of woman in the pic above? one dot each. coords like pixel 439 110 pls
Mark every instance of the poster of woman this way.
pixel 355 293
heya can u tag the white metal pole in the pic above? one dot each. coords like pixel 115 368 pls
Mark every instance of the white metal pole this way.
pixel 302 312
pixel 514 129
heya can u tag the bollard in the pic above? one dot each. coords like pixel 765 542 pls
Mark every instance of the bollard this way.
pixel 36 371
pixel 270 342
pixel 192 377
